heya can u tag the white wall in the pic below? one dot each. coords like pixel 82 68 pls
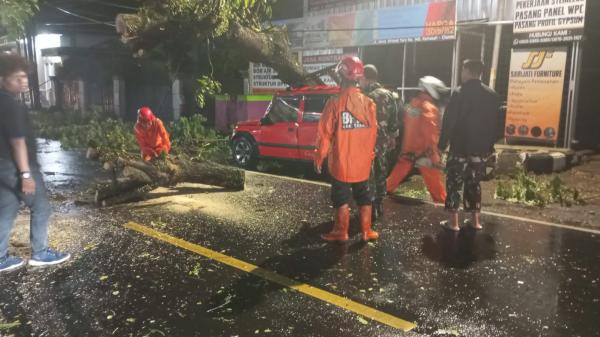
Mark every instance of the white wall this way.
pixel 45 66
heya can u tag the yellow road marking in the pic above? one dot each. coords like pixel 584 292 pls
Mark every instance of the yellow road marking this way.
pixel 306 289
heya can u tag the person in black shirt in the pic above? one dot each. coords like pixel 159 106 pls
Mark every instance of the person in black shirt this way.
pixel 20 176
pixel 471 127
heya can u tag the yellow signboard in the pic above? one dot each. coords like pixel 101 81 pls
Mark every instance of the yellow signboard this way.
pixel 535 93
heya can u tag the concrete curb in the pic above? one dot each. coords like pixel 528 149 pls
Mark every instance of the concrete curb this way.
pixel 539 162
pixel 545 162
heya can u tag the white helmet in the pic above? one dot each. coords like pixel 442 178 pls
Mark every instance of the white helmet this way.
pixel 433 86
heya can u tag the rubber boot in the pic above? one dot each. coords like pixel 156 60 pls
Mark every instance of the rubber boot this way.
pixel 340 226
pixel 365 224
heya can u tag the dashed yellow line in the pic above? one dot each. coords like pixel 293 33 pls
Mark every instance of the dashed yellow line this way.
pixel 306 289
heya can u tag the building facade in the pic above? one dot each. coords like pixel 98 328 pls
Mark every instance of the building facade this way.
pixel 408 39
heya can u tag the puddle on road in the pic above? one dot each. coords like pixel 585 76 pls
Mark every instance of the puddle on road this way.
pixel 459 250
pixel 63 167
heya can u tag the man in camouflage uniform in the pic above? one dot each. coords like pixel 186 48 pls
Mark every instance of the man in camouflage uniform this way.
pixel 388 122
pixel 471 127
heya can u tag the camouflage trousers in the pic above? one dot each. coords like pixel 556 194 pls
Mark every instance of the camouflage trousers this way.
pixel 464 174
pixel 379 174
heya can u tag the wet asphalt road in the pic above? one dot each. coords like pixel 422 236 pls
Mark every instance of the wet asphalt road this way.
pixel 511 279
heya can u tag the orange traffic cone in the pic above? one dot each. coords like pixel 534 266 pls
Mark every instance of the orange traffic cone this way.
pixel 340 227
pixel 365 224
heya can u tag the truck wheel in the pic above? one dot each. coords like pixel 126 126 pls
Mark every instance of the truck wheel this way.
pixel 245 152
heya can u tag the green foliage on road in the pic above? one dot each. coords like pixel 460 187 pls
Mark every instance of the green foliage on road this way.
pixel 113 138
pixel 191 137
pixel 536 191
pixel 8 326
pixel 15 14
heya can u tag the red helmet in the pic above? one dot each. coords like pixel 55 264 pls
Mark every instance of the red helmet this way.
pixel 146 114
pixel 351 68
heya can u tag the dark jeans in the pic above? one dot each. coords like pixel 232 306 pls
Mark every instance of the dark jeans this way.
pixel 10 202
pixel 464 173
pixel 343 193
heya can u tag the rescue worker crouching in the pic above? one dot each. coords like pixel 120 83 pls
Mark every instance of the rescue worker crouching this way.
pixel 420 140
pixel 347 133
pixel 151 135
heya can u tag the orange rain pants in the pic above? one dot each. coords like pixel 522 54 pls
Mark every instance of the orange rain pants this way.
pixel 432 176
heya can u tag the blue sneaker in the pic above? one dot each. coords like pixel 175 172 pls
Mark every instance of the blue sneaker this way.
pixel 10 263
pixel 48 257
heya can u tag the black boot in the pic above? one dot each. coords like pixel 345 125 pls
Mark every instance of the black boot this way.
pixel 377 211
pixel 379 207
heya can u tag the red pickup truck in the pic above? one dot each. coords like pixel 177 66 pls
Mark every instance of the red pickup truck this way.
pixel 288 129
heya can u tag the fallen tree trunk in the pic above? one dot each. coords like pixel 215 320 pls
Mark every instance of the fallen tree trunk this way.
pixel 212 174
pixel 132 195
pixel 105 191
pixel 142 177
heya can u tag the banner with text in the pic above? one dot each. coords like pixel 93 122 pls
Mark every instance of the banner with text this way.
pixel 264 79
pixel 410 23
pixel 546 21
pixel 535 93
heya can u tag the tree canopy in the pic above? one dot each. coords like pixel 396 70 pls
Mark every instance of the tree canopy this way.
pixel 14 15
pixel 200 39
pixel 239 27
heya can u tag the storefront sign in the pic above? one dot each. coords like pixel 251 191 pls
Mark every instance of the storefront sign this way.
pixel 535 93
pixel 264 79
pixel 422 22
pixel 425 22
pixel 546 21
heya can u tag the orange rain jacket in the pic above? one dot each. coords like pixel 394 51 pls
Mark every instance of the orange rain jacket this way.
pixel 346 135
pixel 153 140
pixel 421 128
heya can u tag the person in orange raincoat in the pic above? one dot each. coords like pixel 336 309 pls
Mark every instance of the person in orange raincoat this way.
pixel 420 140
pixel 151 135
pixel 347 134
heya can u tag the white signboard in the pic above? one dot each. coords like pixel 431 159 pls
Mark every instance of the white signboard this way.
pixel 547 21
pixel 264 79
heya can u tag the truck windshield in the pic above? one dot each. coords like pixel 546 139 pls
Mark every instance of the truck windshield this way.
pixel 284 109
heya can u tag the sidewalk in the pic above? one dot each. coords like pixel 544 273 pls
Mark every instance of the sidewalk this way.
pixel 585 178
